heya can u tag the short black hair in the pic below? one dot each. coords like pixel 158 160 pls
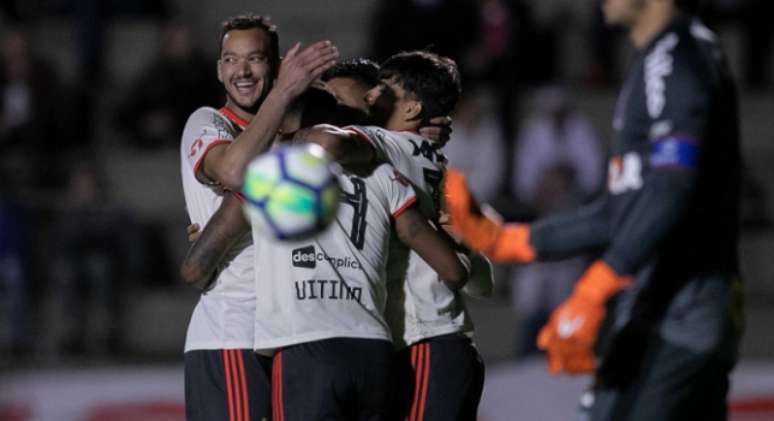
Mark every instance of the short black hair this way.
pixel 689 6
pixel 252 21
pixel 356 68
pixel 432 79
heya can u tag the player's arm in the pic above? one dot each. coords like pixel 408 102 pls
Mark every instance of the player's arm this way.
pixel 435 248
pixel 345 146
pixel 584 229
pixel 665 193
pixel 227 225
pixel 226 163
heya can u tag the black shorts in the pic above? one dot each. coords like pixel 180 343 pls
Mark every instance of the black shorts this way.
pixel 674 384
pixel 439 378
pixel 332 379
pixel 227 385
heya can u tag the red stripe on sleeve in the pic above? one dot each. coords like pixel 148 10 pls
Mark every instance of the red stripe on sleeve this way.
pixel 410 202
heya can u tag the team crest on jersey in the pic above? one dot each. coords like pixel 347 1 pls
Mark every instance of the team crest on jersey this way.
pixel 625 173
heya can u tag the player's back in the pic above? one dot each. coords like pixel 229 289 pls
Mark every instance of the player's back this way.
pixel 333 285
pixel 420 305
pixel 223 317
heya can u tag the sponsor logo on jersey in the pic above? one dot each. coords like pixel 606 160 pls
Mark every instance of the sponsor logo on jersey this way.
pixel 307 257
pixel 427 150
pixel 625 173
pixel 658 65
pixel 327 289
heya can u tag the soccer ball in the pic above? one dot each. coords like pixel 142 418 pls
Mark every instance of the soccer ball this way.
pixel 291 193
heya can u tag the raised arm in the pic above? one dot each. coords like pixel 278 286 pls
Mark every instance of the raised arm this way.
pixel 226 163
pixel 227 225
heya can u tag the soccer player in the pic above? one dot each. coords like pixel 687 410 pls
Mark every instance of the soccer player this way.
pixel 224 379
pixel 666 229
pixel 429 322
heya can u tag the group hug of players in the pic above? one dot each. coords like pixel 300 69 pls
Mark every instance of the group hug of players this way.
pixel 367 321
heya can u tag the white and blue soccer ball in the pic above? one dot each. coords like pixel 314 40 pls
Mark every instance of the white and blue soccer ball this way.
pixel 291 193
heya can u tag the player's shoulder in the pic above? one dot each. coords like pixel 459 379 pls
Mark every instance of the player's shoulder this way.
pixel 208 116
pixel 689 49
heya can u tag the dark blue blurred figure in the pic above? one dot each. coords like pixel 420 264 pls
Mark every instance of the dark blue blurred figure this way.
pixel 14 285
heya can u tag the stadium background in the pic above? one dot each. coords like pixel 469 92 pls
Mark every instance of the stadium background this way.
pixel 92 220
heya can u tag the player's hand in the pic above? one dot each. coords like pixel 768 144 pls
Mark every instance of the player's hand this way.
pixel 300 67
pixel 194 231
pixel 439 130
pixel 569 337
pixel 500 242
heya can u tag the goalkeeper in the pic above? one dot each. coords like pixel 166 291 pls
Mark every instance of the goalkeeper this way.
pixel 665 231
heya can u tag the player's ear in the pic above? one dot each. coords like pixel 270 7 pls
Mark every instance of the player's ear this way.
pixel 413 110
pixel 220 73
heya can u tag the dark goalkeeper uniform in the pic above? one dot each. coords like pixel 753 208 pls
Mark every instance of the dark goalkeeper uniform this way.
pixel 669 220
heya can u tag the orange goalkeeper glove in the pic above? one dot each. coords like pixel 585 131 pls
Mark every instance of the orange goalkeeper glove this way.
pixel 569 337
pixel 501 243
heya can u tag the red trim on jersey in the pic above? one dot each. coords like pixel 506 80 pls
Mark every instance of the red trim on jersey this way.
pixel 229 390
pixel 239 121
pixel 239 196
pixel 198 164
pixel 410 202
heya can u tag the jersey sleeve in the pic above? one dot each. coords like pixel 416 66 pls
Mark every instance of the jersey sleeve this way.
pixel 205 129
pixel 679 110
pixel 400 194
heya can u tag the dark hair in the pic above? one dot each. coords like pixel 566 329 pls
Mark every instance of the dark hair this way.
pixel 432 79
pixel 689 6
pixel 356 68
pixel 318 106
pixel 251 21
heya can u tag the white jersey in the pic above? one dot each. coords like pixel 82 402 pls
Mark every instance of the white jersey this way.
pixel 223 317
pixel 420 306
pixel 333 285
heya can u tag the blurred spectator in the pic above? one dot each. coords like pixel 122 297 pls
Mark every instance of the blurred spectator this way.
pixel 29 92
pixel 92 258
pixel 604 42
pixel 752 18
pixel 161 99
pixel 445 27
pixel 559 164
pixel 476 146
pixel 14 284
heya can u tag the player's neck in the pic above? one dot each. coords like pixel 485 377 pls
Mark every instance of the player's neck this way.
pixel 398 125
pixel 239 111
pixel 655 16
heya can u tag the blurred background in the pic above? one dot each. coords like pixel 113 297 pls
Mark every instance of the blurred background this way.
pixel 93 98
